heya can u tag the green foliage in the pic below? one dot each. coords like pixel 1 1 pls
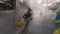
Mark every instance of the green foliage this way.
pixel 57 22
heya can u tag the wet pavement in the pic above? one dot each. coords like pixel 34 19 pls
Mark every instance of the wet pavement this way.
pixel 41 24
pixel 6 22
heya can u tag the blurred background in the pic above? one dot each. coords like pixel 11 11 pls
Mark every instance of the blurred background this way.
pixel 29 16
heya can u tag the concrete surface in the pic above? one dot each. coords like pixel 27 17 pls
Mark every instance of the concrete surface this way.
pixel 41 24
pixel 6 23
